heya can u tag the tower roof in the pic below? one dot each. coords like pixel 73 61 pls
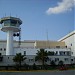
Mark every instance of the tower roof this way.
pixel 10 18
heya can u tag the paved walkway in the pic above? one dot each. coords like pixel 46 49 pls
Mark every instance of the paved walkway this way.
pixel 68 72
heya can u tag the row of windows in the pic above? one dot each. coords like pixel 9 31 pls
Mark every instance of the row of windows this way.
pixel 64 46
pixel 2 49
pixel 59 53
pixel 50 59
pixel 10 21
pixel 57 59
pixel 56 53
pixel 64 53
pixel 60 47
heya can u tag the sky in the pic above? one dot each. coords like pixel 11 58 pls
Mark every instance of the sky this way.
pixel 41 19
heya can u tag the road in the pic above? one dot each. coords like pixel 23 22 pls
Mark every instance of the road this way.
pixel 68 72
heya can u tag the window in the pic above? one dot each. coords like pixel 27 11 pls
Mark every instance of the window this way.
pixel 4 49
pixel 71 44
pixel 13 23
pixel 56 59
pixel 49 59
pixel 62 53
pixel 0 49
pixel 66 59
pixel 8 57
pixel 7 23
pixel 0 54
pixel 31 60
pixel 50 53
pixel 24 52
pixel 57 46
pixel 56 53
pixel 71 59
pixel 66 46
pixel 68 53
pixel 71 52
pixel 1 57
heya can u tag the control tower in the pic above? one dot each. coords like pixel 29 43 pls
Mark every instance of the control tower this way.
pixel 10 25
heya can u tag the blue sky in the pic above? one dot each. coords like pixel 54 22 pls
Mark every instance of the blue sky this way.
pixel 40 17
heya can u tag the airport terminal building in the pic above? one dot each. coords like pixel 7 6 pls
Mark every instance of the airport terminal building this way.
pixel 64 49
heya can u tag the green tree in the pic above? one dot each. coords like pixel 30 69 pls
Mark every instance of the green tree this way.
pixel 53 63
pixel 42 56
pixel 34 66
pixel 61 63
pixel 18 59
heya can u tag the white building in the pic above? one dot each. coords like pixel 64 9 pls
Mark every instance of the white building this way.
pixel 64 49
pixel 29 47
pixel 69 40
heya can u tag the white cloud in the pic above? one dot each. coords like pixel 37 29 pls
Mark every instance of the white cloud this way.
pixel 64 6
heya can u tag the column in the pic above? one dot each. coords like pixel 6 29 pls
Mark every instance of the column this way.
pixel 9 50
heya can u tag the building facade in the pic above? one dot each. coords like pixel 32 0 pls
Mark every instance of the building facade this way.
pixel 64 49
pixel 69 40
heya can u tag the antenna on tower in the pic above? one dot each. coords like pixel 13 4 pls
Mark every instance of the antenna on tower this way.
pixel 10 14
pixel 5 15
pixel 20 37
pixel 47 35
pixel 47 39
pixel 16 15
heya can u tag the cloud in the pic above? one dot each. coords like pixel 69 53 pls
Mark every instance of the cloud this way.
pixel 64 6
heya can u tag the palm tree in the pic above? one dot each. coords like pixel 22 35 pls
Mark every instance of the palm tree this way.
pixel 61 63
pixel 19 58
pixel 42 56
pixel 52 63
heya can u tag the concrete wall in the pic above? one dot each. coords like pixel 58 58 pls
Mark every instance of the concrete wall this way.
pixel 49 44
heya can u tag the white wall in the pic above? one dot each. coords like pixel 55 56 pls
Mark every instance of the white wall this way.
pixel 8 60
pixel 33 51
pixel 24 44
pixel 70 43
pixel 29 51
pixel 3 46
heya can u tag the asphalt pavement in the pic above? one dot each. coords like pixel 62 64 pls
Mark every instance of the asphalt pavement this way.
pixel 68 72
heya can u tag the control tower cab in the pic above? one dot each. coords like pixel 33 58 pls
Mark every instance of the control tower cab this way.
pixel 10 25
